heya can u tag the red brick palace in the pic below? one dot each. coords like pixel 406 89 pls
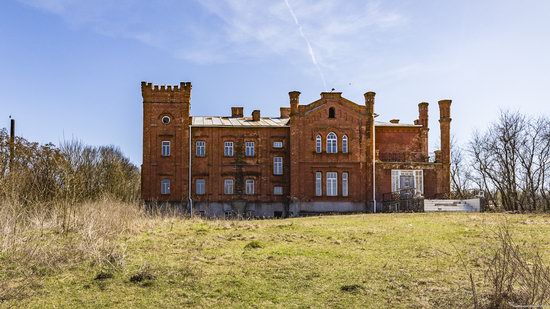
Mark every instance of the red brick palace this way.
pixel 329 155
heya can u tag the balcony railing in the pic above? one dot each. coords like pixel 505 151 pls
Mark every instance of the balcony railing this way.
pixel 404 157
pixel 406 200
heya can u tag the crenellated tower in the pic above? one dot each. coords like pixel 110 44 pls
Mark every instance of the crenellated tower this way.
pixel 166 123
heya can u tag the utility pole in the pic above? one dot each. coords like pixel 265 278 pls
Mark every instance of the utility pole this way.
pixel 12 143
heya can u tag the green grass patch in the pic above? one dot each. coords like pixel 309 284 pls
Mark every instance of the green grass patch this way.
pixel 362 261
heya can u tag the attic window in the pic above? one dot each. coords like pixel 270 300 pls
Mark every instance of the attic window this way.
pixel 331 113
pixel 166 119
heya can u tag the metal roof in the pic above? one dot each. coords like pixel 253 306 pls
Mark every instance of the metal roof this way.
pixel 218 121
pixel 389 124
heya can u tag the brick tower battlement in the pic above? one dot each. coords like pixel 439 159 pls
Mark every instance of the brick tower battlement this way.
pixel 166 93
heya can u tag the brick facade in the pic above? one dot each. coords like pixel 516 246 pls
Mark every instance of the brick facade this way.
pixel 311 180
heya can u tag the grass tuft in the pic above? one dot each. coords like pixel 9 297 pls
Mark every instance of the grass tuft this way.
pixel 253 245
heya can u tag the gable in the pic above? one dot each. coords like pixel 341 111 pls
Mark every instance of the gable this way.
pixel 342 107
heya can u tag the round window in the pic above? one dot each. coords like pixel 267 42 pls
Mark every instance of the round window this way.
pixel 166 119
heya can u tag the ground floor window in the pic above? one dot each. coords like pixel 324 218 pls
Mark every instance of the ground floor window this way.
pixel 200 185
pixel 165 186
pixel 318 184
pixel 277 190
pixel 249 186
pixel 407 179
pixel 332 184
pixel 345 180
pixel 228 186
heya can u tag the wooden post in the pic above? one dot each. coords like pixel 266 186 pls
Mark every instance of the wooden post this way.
pixel 12 143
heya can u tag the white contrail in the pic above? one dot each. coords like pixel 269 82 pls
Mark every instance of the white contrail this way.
pixel 310 49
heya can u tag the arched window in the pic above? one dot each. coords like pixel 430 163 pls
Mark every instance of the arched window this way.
pixel 345 144
pixel 332 143
pixel 331 113
pixel 318 144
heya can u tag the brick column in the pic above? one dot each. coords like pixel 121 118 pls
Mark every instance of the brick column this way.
pixel 445 127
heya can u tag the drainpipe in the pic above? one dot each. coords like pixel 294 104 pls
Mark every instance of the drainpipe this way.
pixel 374 163
pixel 189 181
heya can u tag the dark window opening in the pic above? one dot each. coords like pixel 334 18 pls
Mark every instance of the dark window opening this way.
pixel 331 113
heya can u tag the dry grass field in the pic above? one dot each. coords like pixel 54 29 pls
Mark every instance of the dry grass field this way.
pixel 372 261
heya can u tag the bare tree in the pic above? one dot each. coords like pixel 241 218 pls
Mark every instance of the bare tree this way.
pixel 510 162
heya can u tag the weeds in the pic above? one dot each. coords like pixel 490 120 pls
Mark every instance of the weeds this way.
pixel 35 244
pixel 513 277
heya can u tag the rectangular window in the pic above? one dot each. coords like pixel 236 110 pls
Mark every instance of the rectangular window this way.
pixel 249 186
pixel 277 144
pixel 228 186
pixel 407 179
pixel 332 184
pixel 165 148
pixel 318 144
pixel 277 165
pixel 228 149
pixel 345 144
pixel 165 186
pixel 394 180
pixel 345 184
pixel 277 190
pixel 200 186
pixel 419 181
pixel 318 184
pixel 200 148
pixel 249 149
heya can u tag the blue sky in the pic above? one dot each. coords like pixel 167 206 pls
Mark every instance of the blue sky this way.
pixel 72 68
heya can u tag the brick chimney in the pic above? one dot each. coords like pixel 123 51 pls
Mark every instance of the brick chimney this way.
pixel 369 102
pixel 294 102
pixel 444 186
pixel 423 121
pixel 423 114
pixel 445 127
pixel 237 112
pixel 285 112
pixel 256 115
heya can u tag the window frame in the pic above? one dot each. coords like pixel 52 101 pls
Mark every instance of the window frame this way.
pixel 165 186
pixel 318 184
pixel 277 165
pixel 318 144
pixel 203 182
pixel 345 144
pixel 228 149
pixel 332 183
pixel 332 143
pixel 249 183
pixel 246 149
pixel 275 191
pixel 345 184
pixel 200 148
pixel 165 145
pixel 228 183
pixel 418 176
pixel 278 143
